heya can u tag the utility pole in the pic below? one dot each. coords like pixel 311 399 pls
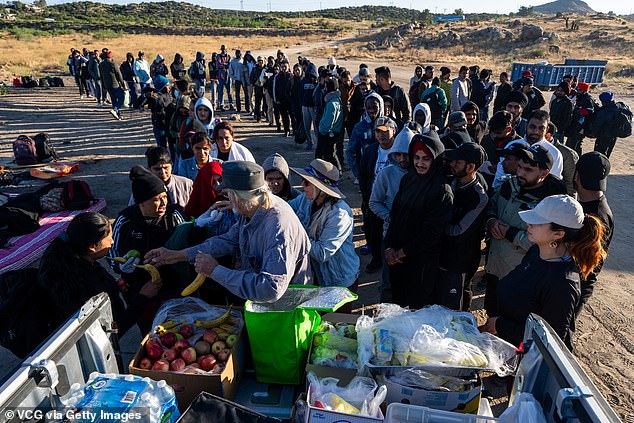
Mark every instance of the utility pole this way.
pixel 242 5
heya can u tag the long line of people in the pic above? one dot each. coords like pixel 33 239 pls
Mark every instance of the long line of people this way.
pixel 435 182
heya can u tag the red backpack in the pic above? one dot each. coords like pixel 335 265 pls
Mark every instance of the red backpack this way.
pixel 24 151
pixel 76 195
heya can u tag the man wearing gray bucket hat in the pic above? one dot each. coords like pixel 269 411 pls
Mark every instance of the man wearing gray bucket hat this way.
pixel 268 237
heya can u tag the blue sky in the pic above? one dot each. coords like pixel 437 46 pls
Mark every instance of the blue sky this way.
pixel 447 6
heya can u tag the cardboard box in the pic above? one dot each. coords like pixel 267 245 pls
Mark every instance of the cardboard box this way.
pixel 467 402
pixel 344 375
pixel 188 386
pixel 319 415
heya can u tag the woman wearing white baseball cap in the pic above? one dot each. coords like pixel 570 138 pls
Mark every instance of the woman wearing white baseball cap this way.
pixel 568 246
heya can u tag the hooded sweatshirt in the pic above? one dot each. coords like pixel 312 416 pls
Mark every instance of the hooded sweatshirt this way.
pixel 178 67
pixel 427 112
pixel 203 195
pixel 362 135
pixel 388 181
pixel 415 79
pixel 308 86
pixel 203 101
pixel 477 130
pixel 332 119
pixel 142 71
pixel 158 67
pixel 197 70
pixel 421 208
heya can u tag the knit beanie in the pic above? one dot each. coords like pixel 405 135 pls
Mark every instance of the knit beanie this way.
pixel 565 86
pixel 583 86
pixel 160 82
pixel 606 96
pixel 145 184
pixel 516 96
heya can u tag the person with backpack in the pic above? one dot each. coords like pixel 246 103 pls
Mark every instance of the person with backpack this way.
pixel 198 73
pixel 70 274
pixel 582 117
pixel 436 98
pixel 608 123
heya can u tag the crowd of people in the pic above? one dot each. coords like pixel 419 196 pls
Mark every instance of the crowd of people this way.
pixel 444 167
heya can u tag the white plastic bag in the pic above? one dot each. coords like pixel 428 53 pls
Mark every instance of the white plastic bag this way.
pixel 359 395
pixel 525 409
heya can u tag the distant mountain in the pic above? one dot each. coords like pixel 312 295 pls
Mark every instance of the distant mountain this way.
pixel 564 6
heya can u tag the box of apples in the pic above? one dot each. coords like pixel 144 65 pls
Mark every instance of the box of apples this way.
pixel 193 357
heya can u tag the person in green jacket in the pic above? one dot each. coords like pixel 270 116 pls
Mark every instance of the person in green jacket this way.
pixel 436 98
pixel 330 125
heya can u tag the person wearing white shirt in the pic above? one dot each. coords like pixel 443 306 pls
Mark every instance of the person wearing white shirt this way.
pixel 225 148
pixel 460 90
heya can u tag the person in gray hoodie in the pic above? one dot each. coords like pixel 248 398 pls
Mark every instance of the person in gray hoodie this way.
pixel 198 73
pixel 386 187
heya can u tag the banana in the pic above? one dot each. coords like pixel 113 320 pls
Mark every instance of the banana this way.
pixel 153 271
pixel 208 324
pixel 193 287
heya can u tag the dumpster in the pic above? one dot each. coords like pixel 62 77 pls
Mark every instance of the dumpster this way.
pixel 548 75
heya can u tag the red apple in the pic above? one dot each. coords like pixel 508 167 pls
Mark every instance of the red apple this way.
pixel 231 340
pixel 202 348
pixel 189 355
pixel 218 368
pixel 161 365
pixel 218 346
pixel 207 362
pixel 168 339
pixel 153 349
pixel 145 363
pixel 170 355
pixel 176 365
pixel 186 330
pixel 210 336
pixel 223 355
pixel 181 345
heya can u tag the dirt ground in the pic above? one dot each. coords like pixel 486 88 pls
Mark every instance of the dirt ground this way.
pixel 106 149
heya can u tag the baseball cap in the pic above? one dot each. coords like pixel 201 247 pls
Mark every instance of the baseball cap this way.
pixel 470 152
pixel 384 123
pixel 593 168
pixel 560 209
pixel 457 119
pixel 516 149
pixel 540 155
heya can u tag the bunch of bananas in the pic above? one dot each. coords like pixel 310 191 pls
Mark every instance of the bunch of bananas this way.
pixel 225 324
pixel 153 271
pixel 167 326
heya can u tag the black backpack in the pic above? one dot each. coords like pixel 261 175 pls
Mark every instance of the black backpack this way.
pixel 23 312
pixel 44 149
pixel 28 82
pixel 76 195
pixel 433 101
pixel 623 121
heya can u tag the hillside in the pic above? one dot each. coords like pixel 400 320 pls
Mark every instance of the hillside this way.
pixel 564 6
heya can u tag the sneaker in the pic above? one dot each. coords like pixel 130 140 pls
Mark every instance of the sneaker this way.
pixel 99 105
pixel 115 114
pixel 356 181
pixel 81 97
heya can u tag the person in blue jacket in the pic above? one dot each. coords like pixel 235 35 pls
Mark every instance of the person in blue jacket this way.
pixel 330 125
pixel 329 223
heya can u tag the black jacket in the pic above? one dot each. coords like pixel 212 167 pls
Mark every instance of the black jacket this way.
pixel 500 98
pixel 127 71
pixel 478 129
pixel 366 171
pixel 163 107
pixel 480 92
pixel 561 113
pixel 132 231
pixel 603 125
pixel 536 101
pixel 177 68
pixel 454 139
pixel 401 101
pixel 421 209
pixel 549 289
pixel 465 229
pixel 69 281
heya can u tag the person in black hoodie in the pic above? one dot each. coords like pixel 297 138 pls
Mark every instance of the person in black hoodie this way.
pixel 481 94
pixel 281 101
pixel 561 108
pixel 258 89
pixel 385 86
pixel 475 127
pixel 127 73
pixel 163 106
pixel 309 82
pixel 144 226
pixel 177 67
pixel 70 275
pixel 455 133
pixel 420 213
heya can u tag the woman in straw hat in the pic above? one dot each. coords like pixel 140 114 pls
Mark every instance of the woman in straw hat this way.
pixel 329 223
pixel 568 243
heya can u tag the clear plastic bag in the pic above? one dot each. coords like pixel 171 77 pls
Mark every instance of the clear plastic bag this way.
pixel 360 396
pixel 335 346
pixel 431 337
pixel 525 409
pixel 417 378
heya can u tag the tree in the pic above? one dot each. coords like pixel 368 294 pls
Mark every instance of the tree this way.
pixel 40 3
pixel 458 12
pixel 525 11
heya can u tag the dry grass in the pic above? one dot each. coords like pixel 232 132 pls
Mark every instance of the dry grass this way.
pixel 41 55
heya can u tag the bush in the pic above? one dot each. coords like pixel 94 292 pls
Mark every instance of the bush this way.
pixel 104 34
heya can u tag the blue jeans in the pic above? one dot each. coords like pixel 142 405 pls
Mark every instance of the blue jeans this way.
pixel 116 95
pixel 200 87
pixel 214 89
pixel 222 85
pixel 141 99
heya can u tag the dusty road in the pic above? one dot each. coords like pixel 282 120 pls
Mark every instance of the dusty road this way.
pixel 107 149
